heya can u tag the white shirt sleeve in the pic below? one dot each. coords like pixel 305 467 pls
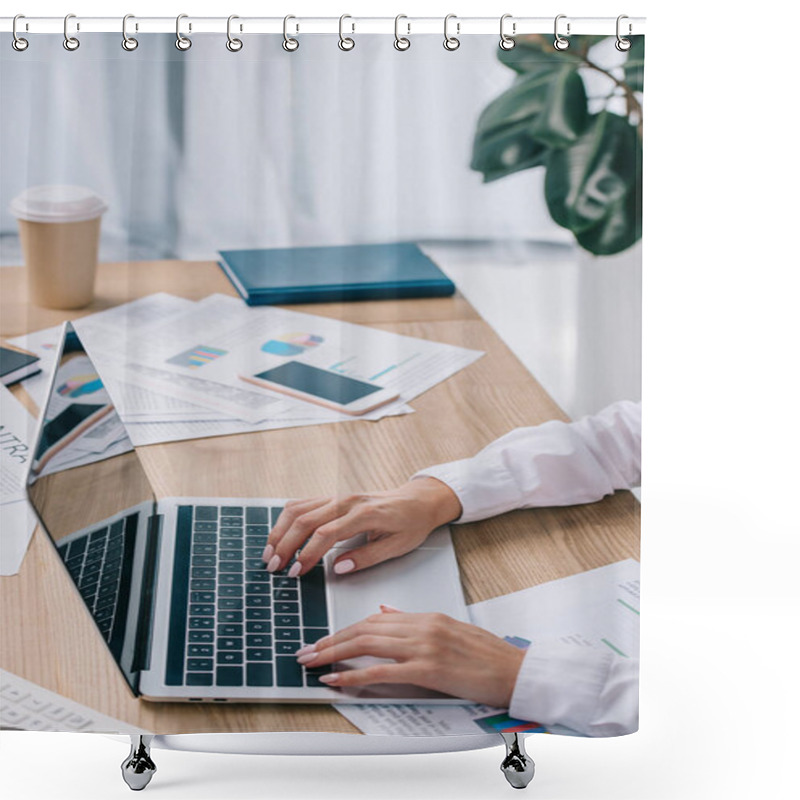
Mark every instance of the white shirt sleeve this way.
pixel 593 692
pixel 554 464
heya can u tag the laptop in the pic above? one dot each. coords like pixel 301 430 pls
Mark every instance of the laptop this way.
pixel 176 587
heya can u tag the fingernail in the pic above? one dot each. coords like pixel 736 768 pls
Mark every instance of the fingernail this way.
pixel 306 648
pixel 269 551
pixel 319 643
pixel 340 567
pixel 274 563
pixel 390 609
pixel 306 657
pixel 295 570
pixel 332 678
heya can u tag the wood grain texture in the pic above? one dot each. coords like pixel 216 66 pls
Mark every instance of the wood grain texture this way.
pixel 58 646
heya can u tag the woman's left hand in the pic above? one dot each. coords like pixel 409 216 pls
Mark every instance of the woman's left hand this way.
pixel 429 650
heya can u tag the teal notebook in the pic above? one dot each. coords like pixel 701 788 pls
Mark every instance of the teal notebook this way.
pixel 330 274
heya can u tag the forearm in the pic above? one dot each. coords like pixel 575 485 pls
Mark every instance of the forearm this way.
pixel 553 464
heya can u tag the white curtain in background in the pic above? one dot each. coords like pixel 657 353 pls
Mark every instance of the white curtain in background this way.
pixel 263 147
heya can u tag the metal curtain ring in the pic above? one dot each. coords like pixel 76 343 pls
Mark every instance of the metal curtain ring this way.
pixel 401 42
pixel 181 42
pixel 70 42
pixel 560 43
pixel 622 44
pixel 234 45
pixel 345 42
pixel 289 44
pixel 128 42
pixel 507 42
pixel 18 43
pixel 451 42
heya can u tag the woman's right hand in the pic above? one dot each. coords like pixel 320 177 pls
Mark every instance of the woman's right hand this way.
pixel 396 522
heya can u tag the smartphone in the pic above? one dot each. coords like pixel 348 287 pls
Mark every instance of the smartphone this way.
pixel 323 387
pixel 65 428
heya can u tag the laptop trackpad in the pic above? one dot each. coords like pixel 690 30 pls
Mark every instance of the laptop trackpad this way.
pixel 424 580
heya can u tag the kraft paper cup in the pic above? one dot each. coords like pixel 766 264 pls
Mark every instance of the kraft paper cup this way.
pixel 59 228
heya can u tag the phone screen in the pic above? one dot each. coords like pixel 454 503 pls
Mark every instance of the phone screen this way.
pixel 319 382
pixel 59 427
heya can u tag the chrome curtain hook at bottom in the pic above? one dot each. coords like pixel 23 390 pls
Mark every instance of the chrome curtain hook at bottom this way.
pixel 182 42
pixel 128 42
pixel 18 43
pixel 346 43
pixel 451 42
pixel 233 44
pixel 622 44
pixel 289 44
pixel 71 43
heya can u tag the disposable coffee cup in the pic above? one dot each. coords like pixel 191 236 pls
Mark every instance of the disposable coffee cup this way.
pixel 59 228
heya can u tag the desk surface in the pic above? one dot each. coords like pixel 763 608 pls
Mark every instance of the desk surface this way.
pixel 58 646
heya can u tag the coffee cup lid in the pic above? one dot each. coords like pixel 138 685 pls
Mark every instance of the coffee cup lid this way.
pixel 58 204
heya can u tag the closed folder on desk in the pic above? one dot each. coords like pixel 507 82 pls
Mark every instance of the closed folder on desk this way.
pixel 330 274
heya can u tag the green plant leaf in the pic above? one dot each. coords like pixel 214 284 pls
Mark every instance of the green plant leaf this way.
pixel 541 110
pixel 594 187
pixel 535 53
pixel 634 66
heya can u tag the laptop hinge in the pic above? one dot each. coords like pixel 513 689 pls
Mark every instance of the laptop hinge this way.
pixel 144 627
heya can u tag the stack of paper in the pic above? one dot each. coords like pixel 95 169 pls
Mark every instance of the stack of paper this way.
pixel 173 367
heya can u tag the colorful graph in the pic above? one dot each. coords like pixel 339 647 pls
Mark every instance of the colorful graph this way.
pixel 197 357
pixel 80 385
pixel 291 344
pixel 503 723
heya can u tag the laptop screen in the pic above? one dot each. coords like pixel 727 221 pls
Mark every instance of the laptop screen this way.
pixel 93 498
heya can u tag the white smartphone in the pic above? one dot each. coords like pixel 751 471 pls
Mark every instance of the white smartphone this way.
pixel 323 387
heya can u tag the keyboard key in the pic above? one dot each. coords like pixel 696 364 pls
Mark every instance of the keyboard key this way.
pixel 205 527
pixel 205 538
pixel 311 635
pixel 199 610
pixel 201 636
pixel 230 566
pixel 257 530
pixel 315 607
pixel 201 623
pixel 235 522
pixel 231 591
pixel 232 511
pixel 202 597
pixel 257 576
pixel 199 678
pixel 257 516
pixel 230 657
pixel 286 594
pixel 256 613
pixel 231 536
pixel 282 582
pixel 98 536
pixel 230 676
pixel 203 561
pixel 205 513
pixel 258 626
pixel 257 640
pixel 205 549
pixel 230 643
pixel 257 588
pixel 198 650
pixel 254 552
pixel 258 601
pixel 203 572
pixel 287 620
pixel 200 664
pixel 287 608
pixel 289 672
pixel 313 682
pixel 286 648
pixel 230 616
pixel 231 578
pixel 202 586
pixel 230 629
pixel 274 513
pixel 259 654
pixel 255 563
pixel 259 674
pixel 231 604
pixel 287 633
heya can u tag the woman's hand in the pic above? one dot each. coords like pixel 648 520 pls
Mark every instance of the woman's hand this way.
pixel 396 522
pixel 430 650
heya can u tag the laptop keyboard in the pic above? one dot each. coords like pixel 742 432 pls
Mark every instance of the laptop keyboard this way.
pixel 100 563
pixel 232 623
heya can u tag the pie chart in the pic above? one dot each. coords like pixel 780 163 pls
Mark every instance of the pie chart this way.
pixel 80 385
pixel 291 344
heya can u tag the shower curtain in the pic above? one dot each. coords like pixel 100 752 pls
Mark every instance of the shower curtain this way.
pixel 264 206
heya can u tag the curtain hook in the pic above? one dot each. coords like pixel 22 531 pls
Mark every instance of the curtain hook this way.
pixel 345 42
pixel 451 42
pixel 18 43
pixel 507 42
pixel 401 42
pixel 560 43
pixel 71 43
pixel 289 44
pixel 181 42
pixel 128 42
pixel 234 45
pixel 622 44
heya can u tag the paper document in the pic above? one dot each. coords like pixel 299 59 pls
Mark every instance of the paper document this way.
pixel 17 521
pixel 598 608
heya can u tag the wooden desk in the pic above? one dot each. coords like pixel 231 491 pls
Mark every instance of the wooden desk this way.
pixel 58 646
